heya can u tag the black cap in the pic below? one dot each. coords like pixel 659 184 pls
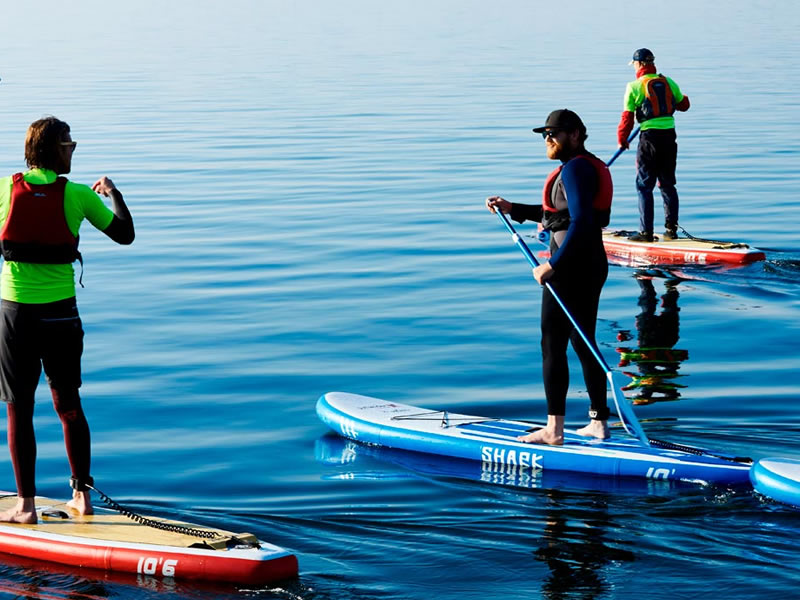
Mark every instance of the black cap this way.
pixel 562 119
pixel 643 55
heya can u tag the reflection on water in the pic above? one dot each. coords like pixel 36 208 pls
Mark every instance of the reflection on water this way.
pixel 28 578
pixel 576 544
pixel 576 549
pixel 356 461
pixel 657 332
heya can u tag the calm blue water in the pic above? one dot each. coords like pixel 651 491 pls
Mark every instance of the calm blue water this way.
pixel 307 181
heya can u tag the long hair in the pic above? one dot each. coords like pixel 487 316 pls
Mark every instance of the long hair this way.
pixel 42 143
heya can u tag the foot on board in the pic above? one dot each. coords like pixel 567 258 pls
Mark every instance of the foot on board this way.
pixel 542 436
pixel 23 512
pixel 642 236
pixel 81 503
pixel 670 234
pixel 595 429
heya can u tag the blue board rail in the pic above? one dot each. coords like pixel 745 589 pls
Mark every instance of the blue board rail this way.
pixel 375 421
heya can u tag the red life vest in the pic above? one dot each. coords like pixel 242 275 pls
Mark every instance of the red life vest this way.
pixel 36 229
pixel 557 218
pixel 659 100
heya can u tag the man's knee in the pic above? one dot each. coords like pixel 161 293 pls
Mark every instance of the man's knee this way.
pixel 646 183
pixel 67 403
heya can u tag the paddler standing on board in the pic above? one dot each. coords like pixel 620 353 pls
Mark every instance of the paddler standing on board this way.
pixel 576 205
pixel 653 98
pixel 40 214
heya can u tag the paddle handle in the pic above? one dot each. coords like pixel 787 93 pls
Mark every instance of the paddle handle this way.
pixel 620 150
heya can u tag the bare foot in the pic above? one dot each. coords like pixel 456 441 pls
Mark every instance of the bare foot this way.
pixel 23 512
pixel 81 503
pixel 543 436
pixel 595 429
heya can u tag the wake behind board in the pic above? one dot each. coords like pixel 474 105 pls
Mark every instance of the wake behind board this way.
pixel 778 478
pixel 375 421
pixel 113 542
pixel 678 251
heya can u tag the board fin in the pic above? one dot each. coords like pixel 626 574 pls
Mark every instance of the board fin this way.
pixel 54 514
pixel 227 542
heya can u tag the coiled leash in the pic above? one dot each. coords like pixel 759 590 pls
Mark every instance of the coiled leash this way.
pixel 174 528
pixel 217 540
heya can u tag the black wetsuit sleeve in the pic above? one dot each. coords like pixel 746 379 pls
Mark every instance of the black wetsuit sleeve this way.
pixel 580 186
pixel 120 231
pixel 526 212
pixel 121 227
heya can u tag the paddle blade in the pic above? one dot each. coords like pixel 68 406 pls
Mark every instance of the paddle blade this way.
pixel 625 411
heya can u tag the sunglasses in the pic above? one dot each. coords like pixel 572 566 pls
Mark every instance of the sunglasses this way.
pixel 550 133
pixel 71 145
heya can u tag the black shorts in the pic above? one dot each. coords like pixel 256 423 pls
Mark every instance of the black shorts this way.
pixel 33 336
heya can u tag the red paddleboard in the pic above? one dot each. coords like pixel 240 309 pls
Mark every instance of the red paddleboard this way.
pixel 679 251
pixel 113 542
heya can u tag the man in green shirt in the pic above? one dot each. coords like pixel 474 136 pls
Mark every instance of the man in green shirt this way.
pixel 40 328
pixel 653 98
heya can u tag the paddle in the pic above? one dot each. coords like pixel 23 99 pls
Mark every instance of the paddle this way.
pixel 624 410
pixel 620 150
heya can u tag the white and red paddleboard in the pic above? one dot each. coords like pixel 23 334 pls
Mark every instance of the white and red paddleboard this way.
pixel 683 250
pixel 113 542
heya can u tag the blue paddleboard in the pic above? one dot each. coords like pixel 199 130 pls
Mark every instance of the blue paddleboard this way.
pixel 778 478
pixel 494 441
pixel 356 462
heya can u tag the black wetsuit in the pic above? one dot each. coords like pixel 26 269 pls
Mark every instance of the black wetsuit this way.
pixel 580 270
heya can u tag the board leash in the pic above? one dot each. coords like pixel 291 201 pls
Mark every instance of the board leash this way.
pixel 174 528
pixel 724 245
pixel 699 451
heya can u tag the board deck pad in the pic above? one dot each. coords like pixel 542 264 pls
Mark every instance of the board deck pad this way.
pixel 104 525
pixel 394 425
pixel 112 541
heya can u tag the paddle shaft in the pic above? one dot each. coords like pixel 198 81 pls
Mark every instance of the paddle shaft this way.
pixel 620 150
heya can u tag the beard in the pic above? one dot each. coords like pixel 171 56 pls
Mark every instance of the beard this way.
pixel 561 151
